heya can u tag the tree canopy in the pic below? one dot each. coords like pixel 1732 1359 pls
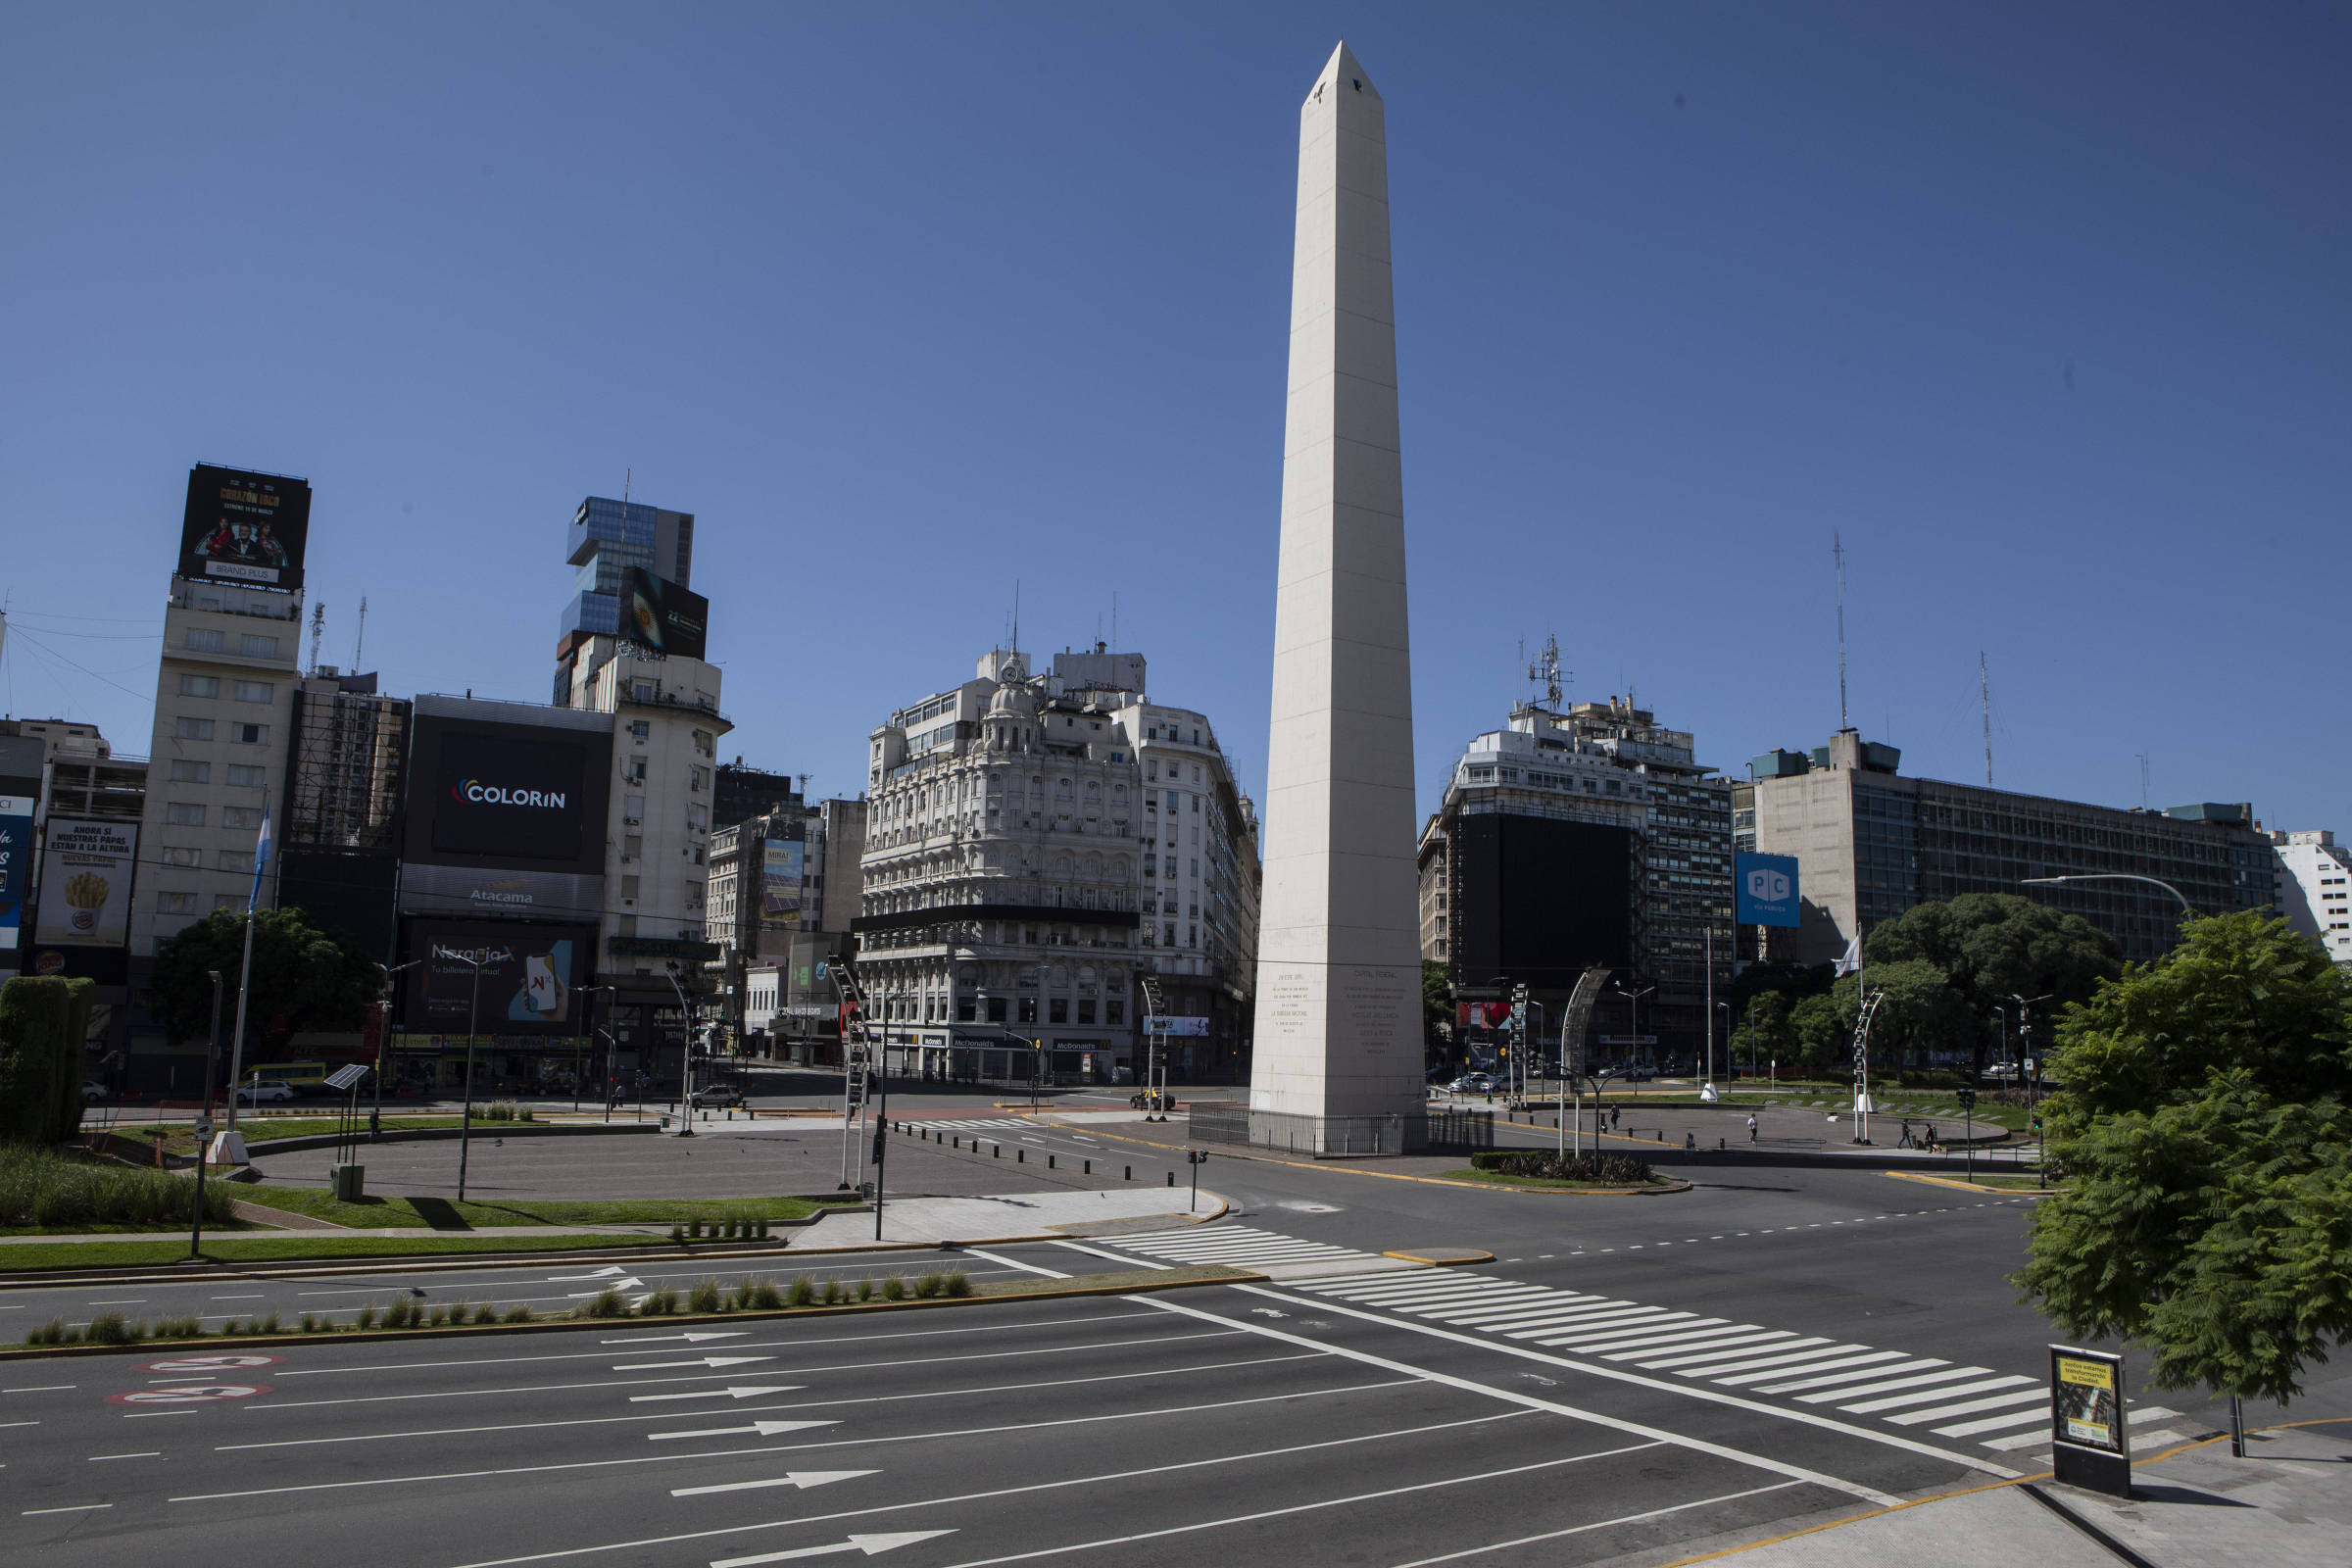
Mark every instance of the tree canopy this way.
pixel 2204 1131
pixel 303 978
pixel 1993 946
pixel 1919 1012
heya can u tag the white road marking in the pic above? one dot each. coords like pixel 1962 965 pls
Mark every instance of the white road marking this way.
pixel 702 1360
pixel 1604 1524
pixel 1810 1382
pixel 764 1429
pixel 870 1544
pixel 154 1453
pixel 78 1507
pixel 2032 1396
pixel 690 1337
pixel 149 1415
pixel 1856 1390
pixel 732 1393
pixel 803 1478
pixel 1995 1423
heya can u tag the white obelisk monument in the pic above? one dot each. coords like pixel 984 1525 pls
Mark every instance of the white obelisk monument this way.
pixel 1339 995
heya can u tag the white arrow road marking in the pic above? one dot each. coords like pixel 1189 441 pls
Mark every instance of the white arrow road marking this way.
pixel 612 1273
pixel 705 1361
pixel 803 1478
pixel 764 1429
pixel 690 1336
pixel 732 1391
pixel 870 1544
pixel 629 1283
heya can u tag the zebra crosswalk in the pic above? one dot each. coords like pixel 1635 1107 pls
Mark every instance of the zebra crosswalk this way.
pixel 2004 1412
pixel 1242 1245
pixel 977 1124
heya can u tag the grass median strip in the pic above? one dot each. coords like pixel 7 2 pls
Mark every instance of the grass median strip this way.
pixel 309 1247
pixel 442 1214
pixel 1492 1178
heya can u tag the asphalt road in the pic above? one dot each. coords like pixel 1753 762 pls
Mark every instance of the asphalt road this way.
pixel 1264 1422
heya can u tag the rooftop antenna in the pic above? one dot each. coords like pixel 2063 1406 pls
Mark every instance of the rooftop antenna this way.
pixel 1838 553
pixel 1114 618
pixel 317 630
pixel 1547 670
pixel 2143 781
pixel 1017 614
pixel 626 475
pixel 805 778
pixel 1985 688
pixel 359 639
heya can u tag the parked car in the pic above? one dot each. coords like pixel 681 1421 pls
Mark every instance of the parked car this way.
pixel 92 1092
pixel 1472 1083
pixel 269 1091
pixel 717 1095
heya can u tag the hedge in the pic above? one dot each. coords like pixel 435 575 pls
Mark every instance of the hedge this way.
pixel 43 1023
pixel 1609 1170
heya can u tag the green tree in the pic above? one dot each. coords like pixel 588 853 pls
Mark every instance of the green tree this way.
pixel 303 978
pixel 43 1023
pixel 1436 1010
pixel 1822 1036
pixel 1920 1014
pixel 1764 1030
pixel 2203 1128
pixel 1991 947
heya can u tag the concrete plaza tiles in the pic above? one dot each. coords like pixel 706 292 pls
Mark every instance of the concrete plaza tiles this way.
pixel 1338 985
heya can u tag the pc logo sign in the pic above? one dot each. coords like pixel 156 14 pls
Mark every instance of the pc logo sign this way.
pixel 1766 886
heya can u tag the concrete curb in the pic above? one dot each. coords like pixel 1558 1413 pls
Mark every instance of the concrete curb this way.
pixel 226 1347
pixel 1971 1187
pixel 426 1135
pixel 1393 1175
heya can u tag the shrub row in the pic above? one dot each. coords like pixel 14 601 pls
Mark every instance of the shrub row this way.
pixel 1609 1170
pixel 738 1225
pixel 66 1191
pixel 503 1110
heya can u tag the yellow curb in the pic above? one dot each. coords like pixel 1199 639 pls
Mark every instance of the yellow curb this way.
pixel 1970 1187
pixel 1444 1256
pixel 1857 1518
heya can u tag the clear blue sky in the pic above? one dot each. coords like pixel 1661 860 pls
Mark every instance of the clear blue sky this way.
pixel 2043 308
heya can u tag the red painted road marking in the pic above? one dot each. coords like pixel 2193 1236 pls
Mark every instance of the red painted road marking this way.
pixel 194 1394
pixel 213 1363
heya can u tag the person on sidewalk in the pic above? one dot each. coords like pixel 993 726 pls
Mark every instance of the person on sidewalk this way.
pixel 1751 1126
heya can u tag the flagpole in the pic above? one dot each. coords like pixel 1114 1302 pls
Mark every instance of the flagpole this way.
pixel 236 1045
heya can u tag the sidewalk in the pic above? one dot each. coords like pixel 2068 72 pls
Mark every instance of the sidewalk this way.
pixel 2288 1504
pixel 1013 1216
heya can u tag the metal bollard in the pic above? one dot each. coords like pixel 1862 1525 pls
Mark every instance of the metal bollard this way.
pixel 1086 1168
pixel 1020 1157
pixel 1171 1178
pixel 996 1150
pixel 1048 1163
pixel 1131 1173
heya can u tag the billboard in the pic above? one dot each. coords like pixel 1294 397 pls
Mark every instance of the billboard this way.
pixel 661 615
pixel 1539 900
pixel 1171 1024
pixel 499 891
pixel 244 527
pixel 510 796
pixel 15 866
pixel 530 976
pixel 782 876
pixel 85 884
pixel 1767 889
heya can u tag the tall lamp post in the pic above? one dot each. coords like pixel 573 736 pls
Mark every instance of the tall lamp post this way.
pixel 685 1054
pixel 1634 999
pixel 473 1011
pixel 1725 1009
pixel 375 1113
pixel 204 1124
pixel 604 1090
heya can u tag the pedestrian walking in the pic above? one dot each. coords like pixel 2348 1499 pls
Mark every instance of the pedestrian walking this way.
pixel 1906 1142
pixel 1751 1126
pixel 1615 1112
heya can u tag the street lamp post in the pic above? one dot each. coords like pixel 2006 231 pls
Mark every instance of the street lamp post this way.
pixel 1633 1001
pixel 685 1055
pixel 375 1112
pixel 473 1011
pixel 604 1090
pixel 1725 1009
pixel 204 1125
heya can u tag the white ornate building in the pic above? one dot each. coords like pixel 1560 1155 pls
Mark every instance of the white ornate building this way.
pixel 1033 846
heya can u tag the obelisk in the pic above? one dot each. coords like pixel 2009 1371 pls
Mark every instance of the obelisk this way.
pixel 1338 999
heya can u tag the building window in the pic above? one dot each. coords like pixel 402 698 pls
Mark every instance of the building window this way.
pixel 1086 1009
pixel 200 641
pixel 995 1009
pixel 1057 1009
pixel 192 729
pixel 199 685
pixel 698 817
pixel 634 770
pixel 642 691
pixel 967 1010
pixel 191 772
pixel 1028 1009
pixel 254 646
pixel 236 860
pixel 180 814
pixel 249 734
pixel 640 731
pixel 254 691
pixel 241 816
pixel 183 856
pixel 228 900
pixel 246 776
pixel 175 903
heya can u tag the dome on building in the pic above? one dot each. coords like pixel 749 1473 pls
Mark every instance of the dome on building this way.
pixel 1011 702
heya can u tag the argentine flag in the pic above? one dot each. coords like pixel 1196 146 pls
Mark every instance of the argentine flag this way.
pixel 261 861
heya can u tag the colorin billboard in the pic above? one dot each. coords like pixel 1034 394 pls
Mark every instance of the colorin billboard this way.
pixel 244 527
pixel 510 796
pixel 85 884
pixel 1767 889
pixel 661 615
pixel 15 866
pixel 530 975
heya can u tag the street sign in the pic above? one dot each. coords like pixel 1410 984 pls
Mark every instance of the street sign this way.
pixel 213 1363
pixel 204 1394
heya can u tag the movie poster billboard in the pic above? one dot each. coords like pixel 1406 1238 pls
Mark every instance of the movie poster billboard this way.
pixel 85 884
pixel 661 615
pixel 15 866
pixel 781 882
pixel 244 527
pixel 530 977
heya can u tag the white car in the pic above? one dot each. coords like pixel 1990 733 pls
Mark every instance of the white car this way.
pixel 92 1092
pixel 266 1092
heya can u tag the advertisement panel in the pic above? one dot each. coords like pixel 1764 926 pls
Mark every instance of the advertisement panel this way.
pixel 244 527
pixel 499 891
pixel 781 879
pixel 530 976
pixel 1170 1025
pixel 661 615
pixel 15 866
pixel 508 796
pixel 85 884
pixel 1767 889
pixel 2090 1437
